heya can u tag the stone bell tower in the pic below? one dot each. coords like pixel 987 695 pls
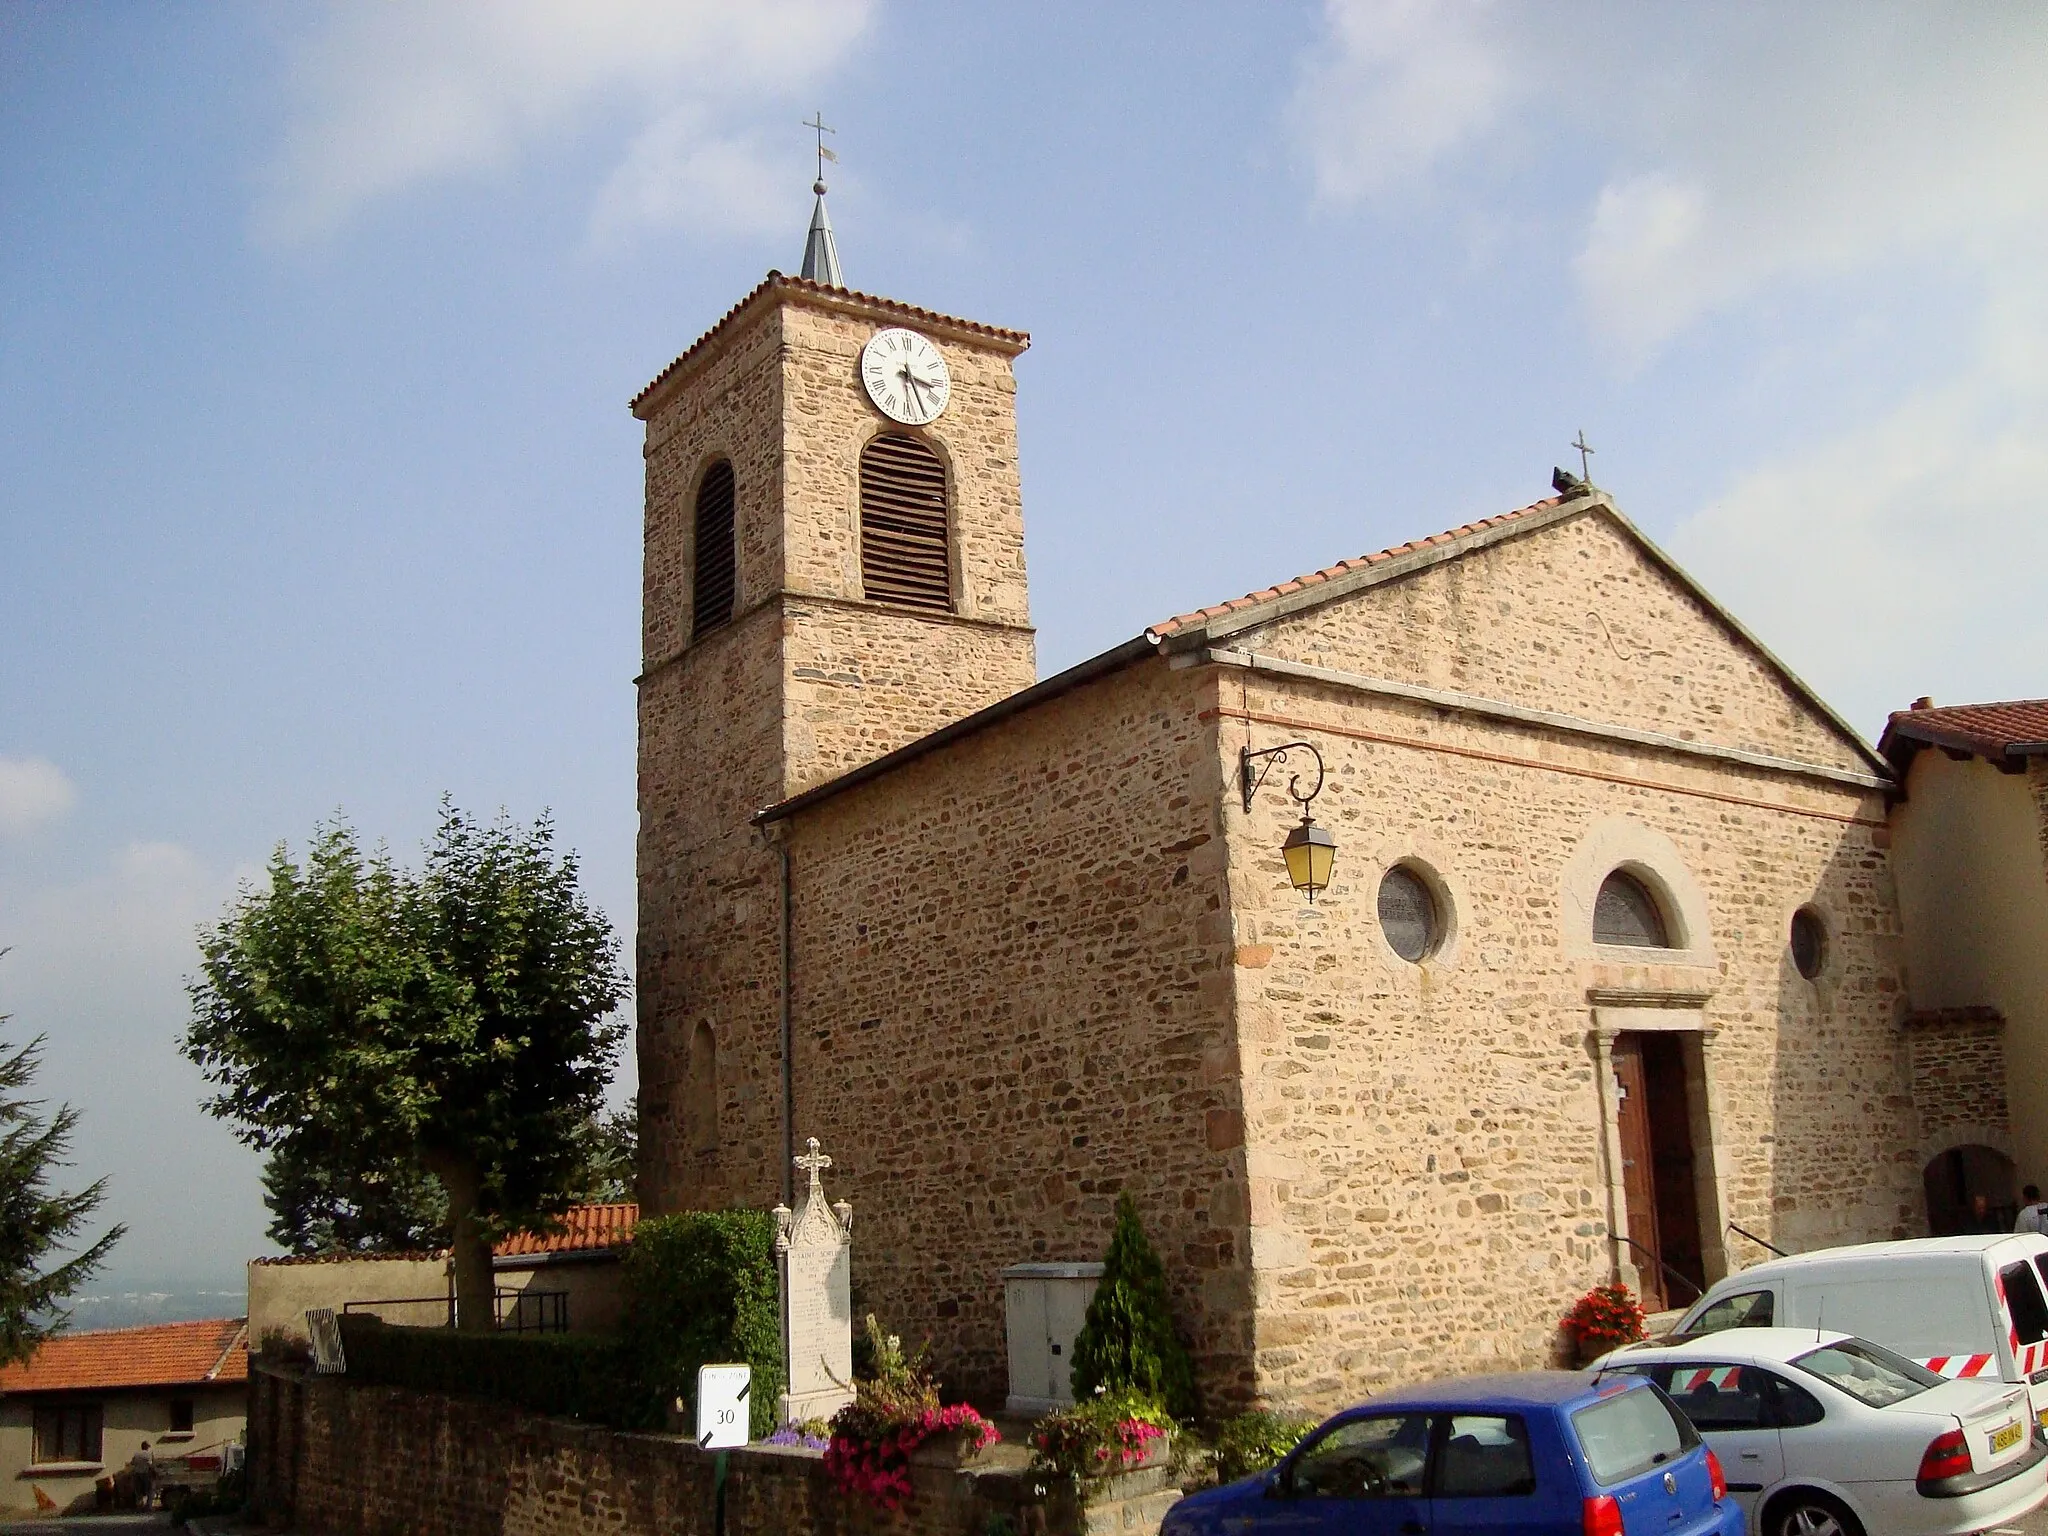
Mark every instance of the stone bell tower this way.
pixel 834 567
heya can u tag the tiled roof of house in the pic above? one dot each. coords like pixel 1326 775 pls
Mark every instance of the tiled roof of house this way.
pixel 1344 568
pixel 801 285
pixel 2003 733
pixel 161 1355
pixel 583 1229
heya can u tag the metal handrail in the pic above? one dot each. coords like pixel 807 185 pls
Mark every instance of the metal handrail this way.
pixel 1781 1253
pixel 552 1308
pixel 1697 1290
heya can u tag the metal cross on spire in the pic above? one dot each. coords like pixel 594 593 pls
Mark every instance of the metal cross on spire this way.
pixel 1585 448
pixel 817 122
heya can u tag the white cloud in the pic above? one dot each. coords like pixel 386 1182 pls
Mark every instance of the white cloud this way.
pixel 33 793
pixel 1903 556
pixel 1782 175
pixel 676 174
pixel 1397 85
pixel 387 97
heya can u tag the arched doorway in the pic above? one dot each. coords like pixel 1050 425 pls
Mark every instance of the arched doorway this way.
pixel 1969 1189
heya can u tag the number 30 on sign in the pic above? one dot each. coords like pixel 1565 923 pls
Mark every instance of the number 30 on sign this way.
pixel 722 1405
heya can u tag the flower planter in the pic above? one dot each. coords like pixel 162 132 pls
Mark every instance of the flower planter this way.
pixel 950 1449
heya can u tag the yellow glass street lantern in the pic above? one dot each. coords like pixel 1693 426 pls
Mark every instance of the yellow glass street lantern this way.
pixel 1310 852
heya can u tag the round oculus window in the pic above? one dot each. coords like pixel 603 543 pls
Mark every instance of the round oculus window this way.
pixel 1408 914
pixel 1809 942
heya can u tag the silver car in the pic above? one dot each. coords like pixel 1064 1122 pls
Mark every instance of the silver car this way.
pixel 1825 1434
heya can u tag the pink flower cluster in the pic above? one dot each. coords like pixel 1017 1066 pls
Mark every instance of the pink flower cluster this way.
pixel 879 1470
pixel 1135 1438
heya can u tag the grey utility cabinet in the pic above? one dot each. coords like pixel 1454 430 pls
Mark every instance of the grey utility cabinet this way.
pixel 1045 1305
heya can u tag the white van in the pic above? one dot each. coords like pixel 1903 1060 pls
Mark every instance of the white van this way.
pixel 1961 1306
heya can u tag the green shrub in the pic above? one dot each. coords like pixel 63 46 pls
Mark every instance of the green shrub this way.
pixel 1103 1434
pixel 1127 1342
pixel 1254 1441
pixel 559 1375
pixel 700 1289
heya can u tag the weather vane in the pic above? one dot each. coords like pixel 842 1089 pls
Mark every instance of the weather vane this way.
pixel 1585 448
pixel 817 122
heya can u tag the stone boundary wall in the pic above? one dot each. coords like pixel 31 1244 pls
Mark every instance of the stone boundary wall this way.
pixel 1958 1057
pixel 331 1459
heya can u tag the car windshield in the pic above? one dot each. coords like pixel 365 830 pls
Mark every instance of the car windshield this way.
pixel 1631 1432
pixel 1868 1373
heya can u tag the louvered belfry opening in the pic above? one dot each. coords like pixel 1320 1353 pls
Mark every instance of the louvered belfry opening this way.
pixel 711 593
pixel 903 554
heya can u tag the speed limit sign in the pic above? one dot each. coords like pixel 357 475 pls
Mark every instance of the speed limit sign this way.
pixel 722 1405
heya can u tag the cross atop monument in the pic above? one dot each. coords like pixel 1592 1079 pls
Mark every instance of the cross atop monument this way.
pixel 814 1163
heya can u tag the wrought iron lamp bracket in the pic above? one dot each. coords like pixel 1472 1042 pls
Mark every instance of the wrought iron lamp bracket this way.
pixel 1268 759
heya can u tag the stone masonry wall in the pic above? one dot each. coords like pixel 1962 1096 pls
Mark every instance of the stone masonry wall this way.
pixel 1424 1148
pixel 809 681
pixel 1957 1058
pixel 1574 618
pixel 331 1459
pixel 1012 1001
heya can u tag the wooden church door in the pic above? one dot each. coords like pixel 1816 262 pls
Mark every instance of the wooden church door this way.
pixel 1638 1167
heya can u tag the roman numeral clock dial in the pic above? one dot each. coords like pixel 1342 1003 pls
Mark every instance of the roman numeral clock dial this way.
pixel 905 376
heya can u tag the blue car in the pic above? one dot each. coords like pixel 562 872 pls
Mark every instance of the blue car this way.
pixel 1542 1452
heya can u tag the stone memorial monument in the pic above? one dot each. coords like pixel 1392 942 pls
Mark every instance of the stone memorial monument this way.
pixel 813 1252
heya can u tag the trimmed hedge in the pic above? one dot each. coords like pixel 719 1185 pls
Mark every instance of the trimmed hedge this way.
pixel 701 1289
pixel 560 1375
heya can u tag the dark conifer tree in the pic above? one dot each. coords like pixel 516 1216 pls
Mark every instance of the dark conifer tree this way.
pixel 1127 1342
pixel 36 1221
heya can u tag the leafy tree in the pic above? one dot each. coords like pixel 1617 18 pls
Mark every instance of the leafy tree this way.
pixel 34 1219
pixel 611 1155
pixel 1127 1342
pixel 459 1018
pixel 350 1195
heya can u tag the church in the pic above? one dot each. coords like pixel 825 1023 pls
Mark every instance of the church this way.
pixel 1422 940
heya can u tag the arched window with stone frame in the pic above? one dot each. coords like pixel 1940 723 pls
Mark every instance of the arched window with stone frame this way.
pixel 1627 912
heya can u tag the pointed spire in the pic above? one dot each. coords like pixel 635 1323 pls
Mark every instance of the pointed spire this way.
pixel 821 251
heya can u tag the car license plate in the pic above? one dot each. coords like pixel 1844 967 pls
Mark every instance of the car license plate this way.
pixel 2005 1439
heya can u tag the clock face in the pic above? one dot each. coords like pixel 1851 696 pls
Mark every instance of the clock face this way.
pixel 905 376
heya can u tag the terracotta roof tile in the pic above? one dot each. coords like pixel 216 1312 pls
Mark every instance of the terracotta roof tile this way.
pixel 1343 567
pixel 2016 728
pixel 161 1355
pixel 824 290
pixel 584 1229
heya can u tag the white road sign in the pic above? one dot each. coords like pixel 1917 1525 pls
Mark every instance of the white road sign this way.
pixel 722 1405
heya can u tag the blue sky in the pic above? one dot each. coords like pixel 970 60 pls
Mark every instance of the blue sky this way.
pixel 317 325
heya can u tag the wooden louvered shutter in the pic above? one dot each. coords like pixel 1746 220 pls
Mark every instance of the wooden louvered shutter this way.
pixel 711 593
pixel 903 554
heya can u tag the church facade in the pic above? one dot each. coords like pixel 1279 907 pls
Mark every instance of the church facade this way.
pixel 1610 963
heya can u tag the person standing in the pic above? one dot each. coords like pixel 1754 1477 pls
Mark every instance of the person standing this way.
pixel 2033 1212
pixel 142 1468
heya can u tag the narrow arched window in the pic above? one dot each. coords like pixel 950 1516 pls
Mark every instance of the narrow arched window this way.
pixel 1626 913
pixel 903 542
pixel 712 590
pixel 701 1113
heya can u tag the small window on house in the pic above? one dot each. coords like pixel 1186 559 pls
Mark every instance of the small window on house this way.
pixel 1408 914
pixel 181 1415
pixel 701 1105
pixel 1626 913
pixel 1809 942
pixel 903 541
pixel 715 580
pixel 68 1432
